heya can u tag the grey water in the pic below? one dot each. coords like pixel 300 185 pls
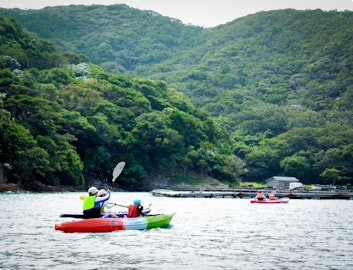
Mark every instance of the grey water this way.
pixel 222 233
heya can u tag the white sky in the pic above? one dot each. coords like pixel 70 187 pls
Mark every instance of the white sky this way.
pixel 206 13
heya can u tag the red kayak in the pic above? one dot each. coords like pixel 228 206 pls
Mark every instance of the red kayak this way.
pixel 116 224
pixel 267 201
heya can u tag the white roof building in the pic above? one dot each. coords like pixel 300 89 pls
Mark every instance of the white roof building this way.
pixel 281 182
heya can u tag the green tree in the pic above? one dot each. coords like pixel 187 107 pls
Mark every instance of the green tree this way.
pixel 297 166
pixel 331 176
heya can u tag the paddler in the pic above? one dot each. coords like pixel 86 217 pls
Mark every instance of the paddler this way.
pixel 105 204
pixel 260 196
pixel 135 209
pixel 92 204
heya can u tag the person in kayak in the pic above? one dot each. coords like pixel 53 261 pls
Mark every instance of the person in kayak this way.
pixel 135 210
pixel 92 204
pixel 105 204
pixel 271 197
pixel 260 195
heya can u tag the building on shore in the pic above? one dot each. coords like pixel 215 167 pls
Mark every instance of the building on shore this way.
pixel 283 182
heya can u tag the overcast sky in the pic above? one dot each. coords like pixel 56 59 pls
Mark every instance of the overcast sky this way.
pixel 206 13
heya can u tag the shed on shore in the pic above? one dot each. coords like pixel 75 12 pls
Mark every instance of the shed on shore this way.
pixel 281 182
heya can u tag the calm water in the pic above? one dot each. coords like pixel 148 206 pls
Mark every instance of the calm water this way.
pixel 205 234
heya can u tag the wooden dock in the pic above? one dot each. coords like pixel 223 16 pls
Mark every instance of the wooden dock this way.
pixel 251 193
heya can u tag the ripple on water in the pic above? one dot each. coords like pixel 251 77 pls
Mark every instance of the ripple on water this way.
pixel 205 234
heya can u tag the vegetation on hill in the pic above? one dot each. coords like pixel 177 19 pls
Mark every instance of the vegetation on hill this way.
pixel 118 38
pixel 278 83
pixel 64 122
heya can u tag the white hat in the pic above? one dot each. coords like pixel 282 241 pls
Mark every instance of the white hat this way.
pixel 102 192
pixel 92 190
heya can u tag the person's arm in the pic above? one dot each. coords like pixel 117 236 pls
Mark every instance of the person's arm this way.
pixel 108 205
pixel 103 199
pixel 99 200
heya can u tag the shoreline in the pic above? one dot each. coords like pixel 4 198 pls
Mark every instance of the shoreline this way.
pixel 251 193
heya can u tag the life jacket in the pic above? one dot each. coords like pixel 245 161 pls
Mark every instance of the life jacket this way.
pixel 260 195
pixel 88 203
pixel 102 207
pixel 135 210
pixel 271 196
pixel 89 210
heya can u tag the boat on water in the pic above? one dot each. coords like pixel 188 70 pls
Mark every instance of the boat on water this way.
pixel 96 225
pixel 268 201
pixel 118 214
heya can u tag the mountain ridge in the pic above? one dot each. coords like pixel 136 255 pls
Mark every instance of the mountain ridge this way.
pixel 280 82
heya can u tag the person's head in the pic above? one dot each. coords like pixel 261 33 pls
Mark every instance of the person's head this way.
pixel 102 193
pixel 137 201
pixel 92 191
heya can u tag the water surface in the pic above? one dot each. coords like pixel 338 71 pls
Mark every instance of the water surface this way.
pixel 205 233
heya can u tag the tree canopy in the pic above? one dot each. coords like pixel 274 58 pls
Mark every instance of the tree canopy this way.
pixel 70 124
pixel 267 94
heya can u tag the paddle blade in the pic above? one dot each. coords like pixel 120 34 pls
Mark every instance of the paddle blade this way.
pixel 83 197
pixel 117 170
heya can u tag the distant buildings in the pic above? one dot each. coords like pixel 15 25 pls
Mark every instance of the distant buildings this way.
pixel 283 182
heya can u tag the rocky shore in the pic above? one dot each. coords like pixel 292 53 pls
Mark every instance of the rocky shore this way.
pixel 36 186
pixel 10 188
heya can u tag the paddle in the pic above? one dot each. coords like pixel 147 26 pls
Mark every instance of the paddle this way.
pixel 118 204
pixel 117 170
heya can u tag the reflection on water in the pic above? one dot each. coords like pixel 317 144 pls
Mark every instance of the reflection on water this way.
pixel 204 234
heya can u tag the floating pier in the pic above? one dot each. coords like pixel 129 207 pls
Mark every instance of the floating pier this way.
pixel 251 193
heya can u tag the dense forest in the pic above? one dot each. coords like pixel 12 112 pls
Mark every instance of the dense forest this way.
pixel 64 121
pixel 267 94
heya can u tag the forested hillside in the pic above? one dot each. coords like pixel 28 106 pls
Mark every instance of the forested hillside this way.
pixel 280 83
pixel 65 121
pixel 118 38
